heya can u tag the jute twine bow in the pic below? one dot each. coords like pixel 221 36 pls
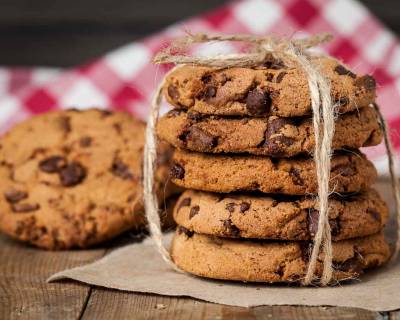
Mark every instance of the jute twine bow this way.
pixel 290 52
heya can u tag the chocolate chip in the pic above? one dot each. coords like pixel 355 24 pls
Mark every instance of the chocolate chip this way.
pixel 280 77
pixel 199 140
pixel 374 214
pixel 174 113
pixel 117 128
pixel 184 203
pixel 105 113
pixel 367 81
pixel 173 92
pixel 72 174
pixel 273 142
pixel 187 232
pixel 258 102
pixel 52 164
pixel 244 206
pixel 13 196
pixel 353 265
pixel 177 171
pixel 230 228
pixel 210 92
pixel 65 123
pixel 194 116
pixel 193 211
pixel 280 271
pixel 85 142
pixel 312 221
pixel 343 101
pixel 24 207
pixel 121 170
pixel 341 70
pixel 230 207
pixel 273 63
pixel 206 78
pixel 296 177
pixel 345 170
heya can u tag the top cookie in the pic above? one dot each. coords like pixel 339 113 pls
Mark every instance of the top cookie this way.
pixel 73 179
pixel 274 89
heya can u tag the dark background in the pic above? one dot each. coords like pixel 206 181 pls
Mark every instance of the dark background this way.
pixel 66 33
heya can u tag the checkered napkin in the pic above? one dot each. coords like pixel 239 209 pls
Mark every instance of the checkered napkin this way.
pixel 125 78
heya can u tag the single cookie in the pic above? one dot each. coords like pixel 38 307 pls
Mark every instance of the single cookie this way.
pixel 271 261
pixel 274 89
pixel 273 136
pixel 350 172
pixel 73 178
pixel 279 217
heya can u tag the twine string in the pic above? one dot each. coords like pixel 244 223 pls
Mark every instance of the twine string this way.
pixel 291 52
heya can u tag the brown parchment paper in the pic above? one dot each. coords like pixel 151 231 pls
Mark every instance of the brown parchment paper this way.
pixel 139 268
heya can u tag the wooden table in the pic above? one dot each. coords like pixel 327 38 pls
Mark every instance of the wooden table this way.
pixel 24 294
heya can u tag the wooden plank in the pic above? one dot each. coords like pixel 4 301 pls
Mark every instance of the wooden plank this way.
pixel 109 304
pixel 24 293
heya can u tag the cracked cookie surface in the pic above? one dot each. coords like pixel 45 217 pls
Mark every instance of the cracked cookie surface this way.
pixel 271 136
pixel 350 172
pixel 278 217
pixel 271 261
pixel 73 178
pixel 274 89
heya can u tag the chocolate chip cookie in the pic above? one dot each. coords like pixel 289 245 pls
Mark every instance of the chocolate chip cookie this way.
pixel 350 172
pixel 271 261
pixel 73 178
pixel 278 217
pixel 272 89
pixel 271 136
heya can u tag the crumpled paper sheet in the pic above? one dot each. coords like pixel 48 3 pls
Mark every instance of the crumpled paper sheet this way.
pixel 139 268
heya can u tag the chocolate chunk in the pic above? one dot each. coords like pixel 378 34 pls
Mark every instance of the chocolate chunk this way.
pixel 121 170
pixel 280 77
pixel 296 176
pixel 269 76
pixel 206 78
pixel 184 203
pixel 174 113
pixel 341 70
pixel 177 171
pixel 173 92
pixel 193 211
pixel 345 170
pixel 280 271
pixel 85 142
pixel 343 101
pixel 24 207
pixel 52 164
pixel 210 92
pixel 199 140
pixel 312 220
pixel 14 196
pixel 258 102
pixel 65 123
pixel 353 265
pixel 367 81
pixel 273 63
pixel 244 206
pixel 230 228
pixel 230 207
pixel 72 174
pixel 187 232
pixel 273 142
pixel 374 214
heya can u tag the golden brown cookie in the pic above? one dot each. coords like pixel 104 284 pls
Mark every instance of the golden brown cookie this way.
pixel 278 217
pixel 272 136
pixel 350 172
pixel 270 261
pixel 274 89
pixel 73 178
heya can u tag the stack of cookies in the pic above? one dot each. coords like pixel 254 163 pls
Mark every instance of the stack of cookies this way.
pixel 244 140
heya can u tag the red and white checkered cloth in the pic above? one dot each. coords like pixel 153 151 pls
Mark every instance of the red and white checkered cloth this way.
pixel 125 78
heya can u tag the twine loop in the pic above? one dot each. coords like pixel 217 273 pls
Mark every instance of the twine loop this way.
pixel 290 52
